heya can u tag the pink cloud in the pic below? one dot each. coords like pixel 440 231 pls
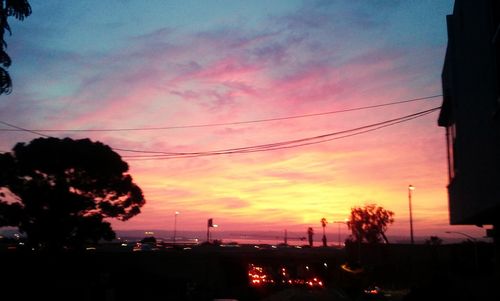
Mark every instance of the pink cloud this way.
pixel 167 78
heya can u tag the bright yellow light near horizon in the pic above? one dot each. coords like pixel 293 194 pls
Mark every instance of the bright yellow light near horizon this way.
pixel 296 191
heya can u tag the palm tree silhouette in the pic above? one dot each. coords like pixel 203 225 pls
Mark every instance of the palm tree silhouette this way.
pixel 310 233
pixel 18 9
pixel 323 224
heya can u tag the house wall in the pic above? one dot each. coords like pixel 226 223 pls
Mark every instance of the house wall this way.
pixel 470 87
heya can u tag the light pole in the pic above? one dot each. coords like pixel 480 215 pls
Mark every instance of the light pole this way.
pixel 339 223
pixel 474 241
pixel 175 225
pixel 410 189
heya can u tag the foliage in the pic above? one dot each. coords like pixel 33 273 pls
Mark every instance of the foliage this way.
pixel 323 224
pixel 310 234
pixel 18 9
pixel 434 241
pixel 369 223
pixel 60 191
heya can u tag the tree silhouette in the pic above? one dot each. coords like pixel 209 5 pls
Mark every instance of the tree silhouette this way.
pixel 369 223
pixel 59 191
pixel 310 234
pixel 18 9
pixel 434 241
pixel 323 224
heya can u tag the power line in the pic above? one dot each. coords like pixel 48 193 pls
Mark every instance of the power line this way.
pixel 222 123
pixel 161 155
pixel 18 128
pixel 158 155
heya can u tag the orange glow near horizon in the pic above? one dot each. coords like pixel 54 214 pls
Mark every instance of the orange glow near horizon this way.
pixel 295 189
pixel 213 63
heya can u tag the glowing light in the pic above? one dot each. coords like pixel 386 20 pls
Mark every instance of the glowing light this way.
pixel 349 269
pixel 374 290
pixel 259 275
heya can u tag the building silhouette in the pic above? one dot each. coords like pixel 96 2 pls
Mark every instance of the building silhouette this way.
pixel 471 112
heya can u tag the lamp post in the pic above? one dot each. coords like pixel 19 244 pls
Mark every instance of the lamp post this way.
pixel 339 223
pixel 474 241
pixel 410 189
pixel 175 226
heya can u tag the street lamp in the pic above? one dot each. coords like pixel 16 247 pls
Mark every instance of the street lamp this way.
pixel 339 223
pixel 463 234
pixel 175 225
pixel 410 189
pixel 474 241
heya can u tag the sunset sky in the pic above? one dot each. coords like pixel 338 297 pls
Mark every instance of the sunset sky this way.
pixel 121 64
